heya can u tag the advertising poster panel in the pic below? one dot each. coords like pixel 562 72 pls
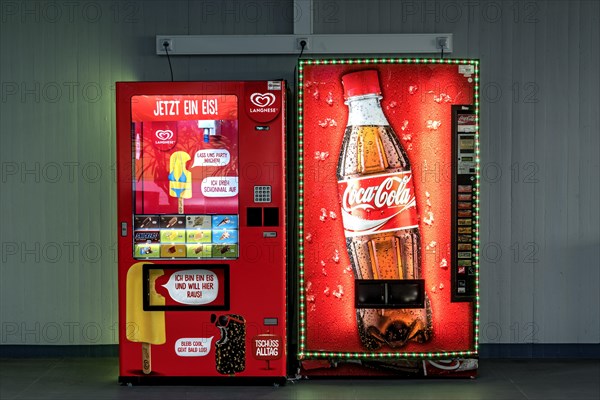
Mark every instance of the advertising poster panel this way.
pixel 378 228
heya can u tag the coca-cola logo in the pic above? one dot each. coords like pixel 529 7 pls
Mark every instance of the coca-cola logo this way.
pixel 393 192
pixel 164 135
pixel 466 119
pixel 378 203
pixel 262 99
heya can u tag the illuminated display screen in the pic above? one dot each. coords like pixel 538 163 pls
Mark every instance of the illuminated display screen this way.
pixel 185 178
pixel 377 208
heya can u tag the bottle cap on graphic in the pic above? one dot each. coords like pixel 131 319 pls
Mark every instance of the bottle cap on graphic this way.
pixel 361 83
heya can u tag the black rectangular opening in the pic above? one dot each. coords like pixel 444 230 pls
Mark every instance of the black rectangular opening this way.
pixel 254 216
pixel 271 216
pixel 389 293
pixel 408 293
pixel 369 294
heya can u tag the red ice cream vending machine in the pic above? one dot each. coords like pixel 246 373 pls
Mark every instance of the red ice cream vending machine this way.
pixel 201 214
pixel 388 188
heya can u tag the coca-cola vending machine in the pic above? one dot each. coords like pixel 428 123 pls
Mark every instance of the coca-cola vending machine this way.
pixel 388 217
pixel 201 220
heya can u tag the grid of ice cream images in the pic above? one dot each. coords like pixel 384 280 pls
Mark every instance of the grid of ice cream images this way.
pixel 185 236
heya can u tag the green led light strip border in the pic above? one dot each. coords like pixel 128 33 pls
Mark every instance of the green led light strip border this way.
pixel 302 352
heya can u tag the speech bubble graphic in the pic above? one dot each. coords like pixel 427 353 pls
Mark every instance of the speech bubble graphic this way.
pixel 193 347
pixel 193 286
pixel 211 158
pixel 220 186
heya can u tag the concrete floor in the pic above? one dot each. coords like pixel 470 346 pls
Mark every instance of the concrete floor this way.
pixel 96 378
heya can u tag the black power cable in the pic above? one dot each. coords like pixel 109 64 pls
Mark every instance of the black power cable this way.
pixel 166 46
pixel 303 46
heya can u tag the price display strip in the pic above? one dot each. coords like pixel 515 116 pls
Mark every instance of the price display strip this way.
pixel 464 203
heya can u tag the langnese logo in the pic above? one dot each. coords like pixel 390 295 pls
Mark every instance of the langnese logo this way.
pixel 262 104
pixel 262 100
pixel 164 135
pixel 164 139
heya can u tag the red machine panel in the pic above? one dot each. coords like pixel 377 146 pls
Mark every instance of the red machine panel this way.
pixel 201 213
pixel 378 179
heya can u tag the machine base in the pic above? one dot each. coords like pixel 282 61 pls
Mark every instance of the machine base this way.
pixel 201 381
pixel 454 368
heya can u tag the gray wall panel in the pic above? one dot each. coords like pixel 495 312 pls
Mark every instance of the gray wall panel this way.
pixel 540 148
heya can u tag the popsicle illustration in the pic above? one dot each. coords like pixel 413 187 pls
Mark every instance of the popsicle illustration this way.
pixel 223 221
pixel 146 327
pixel 172 222
pixel 225 235
pixel 180 179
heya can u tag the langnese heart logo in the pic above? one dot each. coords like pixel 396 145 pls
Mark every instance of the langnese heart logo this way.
pixel 165 139
pixel 262 99
pixel 262 104
pixel 164 134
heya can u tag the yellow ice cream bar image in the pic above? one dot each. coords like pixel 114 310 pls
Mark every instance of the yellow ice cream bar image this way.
pixel 199 236
pixel 180 179
pixel 172 236
pixel 144 326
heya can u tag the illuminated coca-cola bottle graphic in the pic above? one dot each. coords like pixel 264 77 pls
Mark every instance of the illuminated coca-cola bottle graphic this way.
pixel 379 211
